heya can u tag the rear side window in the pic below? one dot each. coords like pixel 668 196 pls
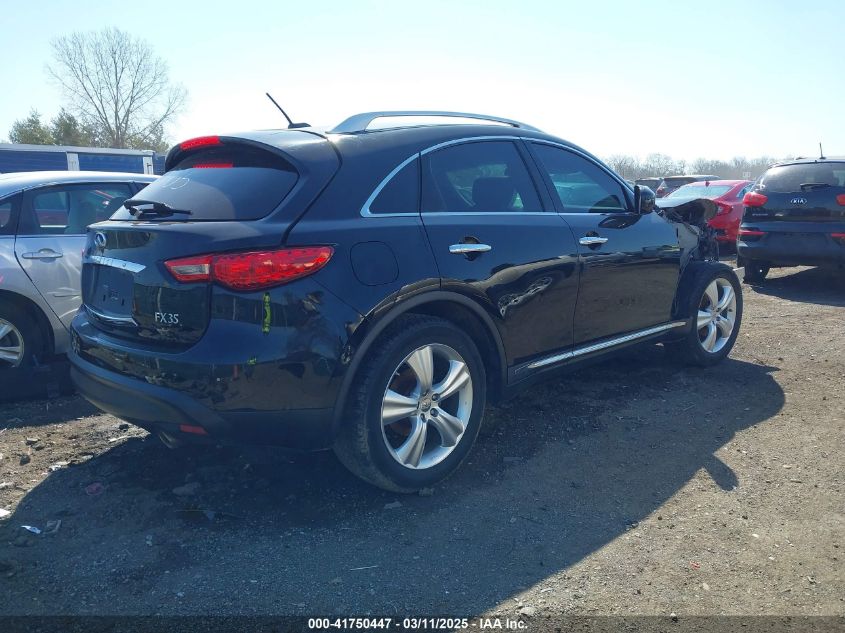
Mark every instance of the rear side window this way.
pixel 8 213
pixel 790 178
pixel 222 183
pixel 401 194
pixel 482 177
pixel 69 210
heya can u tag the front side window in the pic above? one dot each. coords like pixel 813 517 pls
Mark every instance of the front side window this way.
pixel 69 210
pixel 481 177
pixel 581 185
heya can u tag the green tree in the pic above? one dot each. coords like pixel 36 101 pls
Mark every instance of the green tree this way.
pixel 67 130
pixel 31 130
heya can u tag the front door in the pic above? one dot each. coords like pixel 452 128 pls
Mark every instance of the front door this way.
pixel 629 262
pixel 51 236
pixel 494 238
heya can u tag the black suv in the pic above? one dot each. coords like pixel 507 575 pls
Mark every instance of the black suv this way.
pixel 371 290
pixel 794 215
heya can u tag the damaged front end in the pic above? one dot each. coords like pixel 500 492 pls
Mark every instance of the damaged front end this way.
pixel 691 218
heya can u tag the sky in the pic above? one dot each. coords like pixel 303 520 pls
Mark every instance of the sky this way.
pixel 689 79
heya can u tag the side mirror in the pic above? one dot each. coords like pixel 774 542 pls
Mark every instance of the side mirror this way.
pixel 644 200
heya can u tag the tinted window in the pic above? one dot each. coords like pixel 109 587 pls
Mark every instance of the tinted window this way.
pixel 222 183
pixel 8 210
pixel 69 210
pixel 789 178
pixel 484 177
pixel 402 192
pixel 581 185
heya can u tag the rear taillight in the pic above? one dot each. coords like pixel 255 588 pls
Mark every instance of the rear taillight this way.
pixel 200 141
pixel 840 199
pixel 839 237
pixel 754 199
pixel 251 271
pixel 724 208
pixel 751 233
pixel 190 269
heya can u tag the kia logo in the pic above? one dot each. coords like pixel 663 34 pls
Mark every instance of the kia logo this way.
pixel 100 240
pixel 798 201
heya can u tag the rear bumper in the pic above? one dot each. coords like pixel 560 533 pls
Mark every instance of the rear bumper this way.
pixel 159 408
pixel 793 249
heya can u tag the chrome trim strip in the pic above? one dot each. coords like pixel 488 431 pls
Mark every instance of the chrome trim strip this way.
pixel 122 264
pixel 365 210
pixel 595 347
pixel 360 122
pixel 111 320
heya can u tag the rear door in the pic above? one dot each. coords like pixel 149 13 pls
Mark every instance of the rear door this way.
pixel 494 239
pixel 629 262
pixel 51 237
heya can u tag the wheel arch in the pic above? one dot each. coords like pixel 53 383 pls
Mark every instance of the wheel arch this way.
pixel 450 306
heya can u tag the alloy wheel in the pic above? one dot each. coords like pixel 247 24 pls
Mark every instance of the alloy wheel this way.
pixel 716 315
pixel 11 345
pixel 426 406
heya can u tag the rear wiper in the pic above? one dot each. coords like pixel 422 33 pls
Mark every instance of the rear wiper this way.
pixel 157 208
pixel 813 185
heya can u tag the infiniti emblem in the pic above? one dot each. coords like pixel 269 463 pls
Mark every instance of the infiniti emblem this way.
pixel 100 240
pixel 798 201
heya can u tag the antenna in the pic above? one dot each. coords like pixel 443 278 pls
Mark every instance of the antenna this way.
pixel 821 151
pixel 291 124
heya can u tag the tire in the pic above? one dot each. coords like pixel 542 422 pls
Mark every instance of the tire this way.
pixel 21 337
pixel 385 454
pixel 755 271
pixel 713 340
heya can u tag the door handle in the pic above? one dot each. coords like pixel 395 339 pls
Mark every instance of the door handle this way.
pixel 46 253
pixel 592 240
pixel 465 249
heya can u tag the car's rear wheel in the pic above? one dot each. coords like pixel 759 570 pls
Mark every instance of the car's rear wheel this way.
pixel 21 343
pixel 715 306
pixel 755 270
pixel 416 406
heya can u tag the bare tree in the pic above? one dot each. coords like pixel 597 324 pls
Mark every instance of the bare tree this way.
pixel 118 85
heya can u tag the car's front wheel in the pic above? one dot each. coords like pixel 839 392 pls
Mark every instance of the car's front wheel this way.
pixel 416 406
pixel 715 306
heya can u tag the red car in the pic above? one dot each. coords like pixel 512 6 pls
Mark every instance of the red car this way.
pixel 727 194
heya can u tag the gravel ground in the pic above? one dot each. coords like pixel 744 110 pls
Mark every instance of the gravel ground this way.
pixel 631 487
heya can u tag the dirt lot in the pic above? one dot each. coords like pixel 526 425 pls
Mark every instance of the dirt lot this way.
pixel 632 487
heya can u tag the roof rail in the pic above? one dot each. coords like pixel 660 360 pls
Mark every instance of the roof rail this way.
pixel 360 122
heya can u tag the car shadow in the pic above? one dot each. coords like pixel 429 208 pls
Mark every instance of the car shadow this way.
pixel 40 412
pixel 823 286
pixel 557 473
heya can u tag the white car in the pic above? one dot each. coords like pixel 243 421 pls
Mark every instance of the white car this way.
pixel 43 219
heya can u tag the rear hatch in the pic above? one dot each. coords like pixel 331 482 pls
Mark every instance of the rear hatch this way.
pixel 219 195
pixel 799 193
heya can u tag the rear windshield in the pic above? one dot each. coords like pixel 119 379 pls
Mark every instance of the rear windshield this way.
pixel 677 182
pixel 700 191
pixel 651 183
pixel 222 183
pixel 789 178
